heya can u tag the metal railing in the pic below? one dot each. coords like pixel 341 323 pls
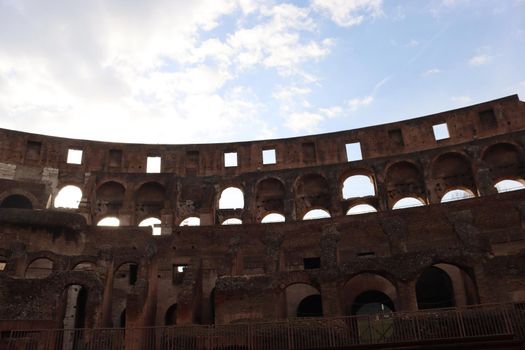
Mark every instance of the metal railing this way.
pixel 474 323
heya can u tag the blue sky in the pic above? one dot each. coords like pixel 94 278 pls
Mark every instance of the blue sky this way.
pixel 218 71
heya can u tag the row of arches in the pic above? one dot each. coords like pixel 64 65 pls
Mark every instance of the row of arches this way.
pixel 441 285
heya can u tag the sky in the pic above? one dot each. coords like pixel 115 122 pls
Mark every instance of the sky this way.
pixel 169 71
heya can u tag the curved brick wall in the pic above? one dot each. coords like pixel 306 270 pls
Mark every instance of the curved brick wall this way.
pixel 224 273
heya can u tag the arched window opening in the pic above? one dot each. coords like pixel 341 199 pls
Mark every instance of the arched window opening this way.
pixel 504 160
pixel 311 306
pixel 232 221
pixel 109 221
pixel 316 214
pixel 39 268
pixel 170 319
pixel 191 221
pixel 273 217
pixel 358 186
pixel 111 195
pixel 509 185
pixel 361 209
pixel 295 294
pixel 372 302
pixel 408 202
pixel 404 179
pixel 16 201
pixel 231 198
pixel 434 289
pixel 154 223
pixel 68 197
pixel 150 198
pixel 85 266
pixel 456 195
pixel 311 191
pixel 269 197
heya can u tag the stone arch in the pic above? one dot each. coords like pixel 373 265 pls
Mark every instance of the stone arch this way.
pixel 445 285
pixel 170 317
pixel 455 194
pixel 295 294
pixel 39 268
pixel 361 209
pixel 317 213
pixel 311 191
pixel 449 171
pixel 16 201
pixel 149 200
pixel 364 282
pixel 273 217
pixel 87 266
pixel 231 198
pixel 109 221
pixel 404 179
pixel 154 223
pixel 504 161
pixel 68 197
pixel 191 221
pixel 269 197
pixel 357 186
pixel 110 197
pixel 408 202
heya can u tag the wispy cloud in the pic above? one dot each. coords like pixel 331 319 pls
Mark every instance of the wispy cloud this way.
pixel 479 60
pixel 356 103
pixel 431 71
pixel 348 13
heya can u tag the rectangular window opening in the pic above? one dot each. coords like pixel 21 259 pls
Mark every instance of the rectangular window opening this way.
pixel 153 165
pixel 396 137
pixel 441 131
pixel 33 150
pixel 230 159
pixel 269 156
pixel 2 265
pixel 353 151
pixel 309 155
pixel 133 274
pixel 488 119
pixel 366 254
pixel 178 273
pixel 312 263
pixel 74 156
pixel 115 158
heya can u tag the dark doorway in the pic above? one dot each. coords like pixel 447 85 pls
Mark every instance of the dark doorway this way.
pixel 372 302
pixel 310 306
pixel 170 319
pixel 16 201
pixel 434 289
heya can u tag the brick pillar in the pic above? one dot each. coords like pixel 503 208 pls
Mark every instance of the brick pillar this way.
pixel 331 299
pixel 406 299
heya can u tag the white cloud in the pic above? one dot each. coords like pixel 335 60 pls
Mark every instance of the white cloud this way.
pixel 431 71
pixel 356 103
pixel 92 69
pixel 347 13
pixel 479 60
pixel 461 100
pixel 331 112
pixel 303 121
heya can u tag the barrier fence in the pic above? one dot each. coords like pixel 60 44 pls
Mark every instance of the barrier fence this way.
pixel 459 324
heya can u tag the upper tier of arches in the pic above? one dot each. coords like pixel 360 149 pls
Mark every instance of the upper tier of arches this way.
pixel 486 119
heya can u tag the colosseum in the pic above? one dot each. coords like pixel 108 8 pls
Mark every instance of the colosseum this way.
pixel 403 235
